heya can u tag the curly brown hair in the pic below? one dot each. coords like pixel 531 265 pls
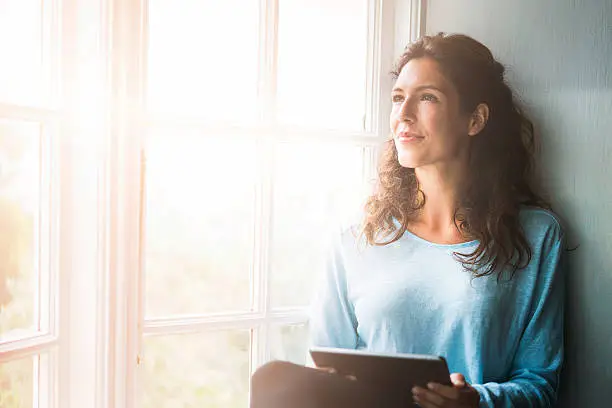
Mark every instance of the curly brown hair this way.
pixel 499 169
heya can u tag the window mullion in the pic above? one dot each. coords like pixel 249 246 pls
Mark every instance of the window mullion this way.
pixel 408 21
pixel 263 132
pixel 417 19
pixel 10 111
pixel 69 242
pixel 123 223
pixel 265 186
pixel 373 40
pixel 84 302
pixel 225 321
pixel 268 56
pixel 22 347
pixel 46 369
pixel 382 44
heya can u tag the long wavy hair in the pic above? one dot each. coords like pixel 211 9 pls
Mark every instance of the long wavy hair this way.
pixel 499 169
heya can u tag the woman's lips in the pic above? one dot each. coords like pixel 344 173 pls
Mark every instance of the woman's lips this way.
pixel 408 137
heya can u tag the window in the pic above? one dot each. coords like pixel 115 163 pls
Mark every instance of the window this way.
pixel 261 133
pixel 28 267
pixel 49 96
pixel 170 172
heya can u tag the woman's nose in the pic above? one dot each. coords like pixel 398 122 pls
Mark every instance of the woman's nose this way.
pixel 406 113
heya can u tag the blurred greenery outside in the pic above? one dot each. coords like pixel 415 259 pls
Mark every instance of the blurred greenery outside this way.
pixel 17 383
pixel 19 203
pixel 196 370
pixel 200 248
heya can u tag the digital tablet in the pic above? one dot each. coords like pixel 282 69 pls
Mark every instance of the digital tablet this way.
pixel 389 371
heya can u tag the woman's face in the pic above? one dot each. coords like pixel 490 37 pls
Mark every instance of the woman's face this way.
pixel 427 125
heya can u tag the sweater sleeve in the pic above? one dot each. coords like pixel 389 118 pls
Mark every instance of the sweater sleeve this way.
pixel 332 318
pixel 534 376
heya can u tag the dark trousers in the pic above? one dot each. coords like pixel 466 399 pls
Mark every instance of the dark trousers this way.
pixel 285 385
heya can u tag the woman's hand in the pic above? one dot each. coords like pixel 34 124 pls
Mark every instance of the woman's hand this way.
pixel 459 395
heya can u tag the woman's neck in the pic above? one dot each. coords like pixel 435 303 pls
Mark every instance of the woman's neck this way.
pixel 442 189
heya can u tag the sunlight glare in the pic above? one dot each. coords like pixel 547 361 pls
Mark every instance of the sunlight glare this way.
pixel 21 76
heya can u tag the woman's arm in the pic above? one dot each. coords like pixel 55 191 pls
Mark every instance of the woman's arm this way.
pixel 332 318
pixel 534 377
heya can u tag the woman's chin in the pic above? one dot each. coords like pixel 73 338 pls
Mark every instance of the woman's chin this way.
pixel 407 161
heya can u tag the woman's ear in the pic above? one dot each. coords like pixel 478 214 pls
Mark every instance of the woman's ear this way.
pixel 479 119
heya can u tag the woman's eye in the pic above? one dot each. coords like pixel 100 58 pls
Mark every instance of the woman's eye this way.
pixel 397 98
pixel 429 98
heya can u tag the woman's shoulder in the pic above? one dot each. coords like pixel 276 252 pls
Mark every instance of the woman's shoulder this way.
pixel 344 230
pixel 540 223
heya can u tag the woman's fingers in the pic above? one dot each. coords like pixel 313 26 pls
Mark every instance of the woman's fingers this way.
pixel 461 393
pixel 426 398
pixel 458 379
pixel 452 393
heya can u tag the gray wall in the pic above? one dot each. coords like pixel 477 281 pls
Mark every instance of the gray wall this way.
pixel 559 59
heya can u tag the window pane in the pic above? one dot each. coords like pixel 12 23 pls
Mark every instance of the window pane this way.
pixel 203 58
pixel 17 383
pixel 196 370
pixel 199 226
pixel 322 62
pixel 21 51
pixel 19 210
pixel 317 187
pixel 289 343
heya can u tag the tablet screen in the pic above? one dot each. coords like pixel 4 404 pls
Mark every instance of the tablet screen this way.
pixel 390 371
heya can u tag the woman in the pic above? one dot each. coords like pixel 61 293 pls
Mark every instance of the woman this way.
pixel 456 256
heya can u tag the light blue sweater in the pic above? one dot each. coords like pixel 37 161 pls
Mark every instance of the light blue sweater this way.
pixel 412 296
